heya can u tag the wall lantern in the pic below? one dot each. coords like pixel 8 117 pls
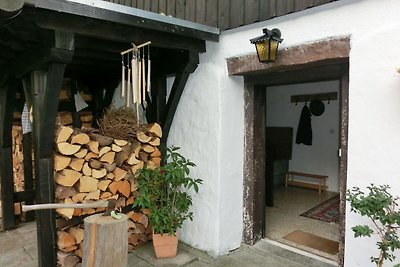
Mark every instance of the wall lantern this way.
pixel 267 45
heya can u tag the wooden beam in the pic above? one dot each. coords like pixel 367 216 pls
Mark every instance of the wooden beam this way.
pixel 294 57
pixel 176 93
pixel 27 152
pixel 7 97
pixel 115 32
pixel 46 86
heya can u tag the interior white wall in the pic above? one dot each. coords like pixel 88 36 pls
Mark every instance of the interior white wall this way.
pixel 322 156
pixel 209 124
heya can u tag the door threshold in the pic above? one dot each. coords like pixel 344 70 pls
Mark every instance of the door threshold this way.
pixel 299 251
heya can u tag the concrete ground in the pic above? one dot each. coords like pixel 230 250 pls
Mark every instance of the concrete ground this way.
pixel 18 248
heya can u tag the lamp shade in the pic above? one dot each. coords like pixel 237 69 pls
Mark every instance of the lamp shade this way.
pixel 267 45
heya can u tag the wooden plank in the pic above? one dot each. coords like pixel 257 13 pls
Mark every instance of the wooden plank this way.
pixel 251 11
pixel 28 171
pixel 76 119
pixel 7 98
pixel 284 7
pixel 154 6
pixel 223 14
pixel 147 5
pixel 180 9
pixel 26 195
pixel 311 175
pixel 272 8
pixel 190 12
pixel 201 11
pixel 236 18
pixel 140 4
pixel 264 10
pixel 171 7
pixel 212 13
pixel 162 7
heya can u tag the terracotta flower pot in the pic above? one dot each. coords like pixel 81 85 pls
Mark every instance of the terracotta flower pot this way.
pixel 165 245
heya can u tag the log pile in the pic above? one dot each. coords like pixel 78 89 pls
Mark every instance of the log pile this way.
pixel 18 164
pixel 89 167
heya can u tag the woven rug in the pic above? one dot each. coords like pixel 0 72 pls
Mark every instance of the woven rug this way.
pixel 327 211
pixel 313 241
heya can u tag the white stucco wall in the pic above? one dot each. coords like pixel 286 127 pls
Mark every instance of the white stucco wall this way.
pixel 322 156
pixel 209 121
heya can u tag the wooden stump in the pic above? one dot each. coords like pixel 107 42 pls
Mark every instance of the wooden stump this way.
pixel 105 241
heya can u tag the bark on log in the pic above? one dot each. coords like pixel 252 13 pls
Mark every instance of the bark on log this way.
pixel 105 241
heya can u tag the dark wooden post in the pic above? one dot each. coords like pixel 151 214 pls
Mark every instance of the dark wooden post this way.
pixel 7 99
pixel 27 151
pixel 254 171
pixel 46 87
pixel 76 120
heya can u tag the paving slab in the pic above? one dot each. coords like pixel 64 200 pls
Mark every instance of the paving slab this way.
pixel 146 253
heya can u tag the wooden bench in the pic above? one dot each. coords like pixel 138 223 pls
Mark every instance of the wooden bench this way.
pixel 321 179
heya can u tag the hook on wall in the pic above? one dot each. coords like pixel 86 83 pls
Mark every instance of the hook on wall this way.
pixel 320 96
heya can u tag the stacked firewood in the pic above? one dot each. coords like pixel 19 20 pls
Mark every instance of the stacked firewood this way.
pixel 65 118
pixel 18 164
pixel 89 167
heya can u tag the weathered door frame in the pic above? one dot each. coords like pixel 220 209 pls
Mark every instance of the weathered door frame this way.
pixel 320 61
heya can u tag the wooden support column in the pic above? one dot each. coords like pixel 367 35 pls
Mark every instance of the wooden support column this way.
pixel 46 87
pixel 76 120
pixel 254 170
pixel 27 151
pixel 7 99
pixel 176 93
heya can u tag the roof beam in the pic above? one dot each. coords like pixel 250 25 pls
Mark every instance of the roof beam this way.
pixel 128 16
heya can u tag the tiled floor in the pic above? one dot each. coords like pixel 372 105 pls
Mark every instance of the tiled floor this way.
pixel 285 218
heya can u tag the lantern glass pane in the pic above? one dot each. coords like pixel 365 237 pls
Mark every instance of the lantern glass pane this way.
pixel 262 50
pixel 274 49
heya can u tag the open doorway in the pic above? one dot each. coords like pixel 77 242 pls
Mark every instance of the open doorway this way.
pixel 302 186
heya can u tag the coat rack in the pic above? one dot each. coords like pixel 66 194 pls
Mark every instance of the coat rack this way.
pixel 309 97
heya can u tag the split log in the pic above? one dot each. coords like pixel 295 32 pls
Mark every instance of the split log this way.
pixel 116 148
pixel 114 186
pixel 67 259
pixel 104 150
pixel 67 177
pixel 132 160
pixel 67 213
pixel 157 161
pixel 119 174
pixel 108 157
pixel 99 173
pixel 80 138
pixel 103 184
pixel 62 192
pixel 77 233
pixel 137 167
pixel 120 142
pixel 109 167
pixel 154 128
pixel 63 134
pixel 93 195
pixel 79 197
pixel 125 188
pixel 86 170
pixel 148 148
pixel 91 155
pixel 93 146
pixel 61 162
pixel 96 164
pixel 101 139
pixel 156 153
pixel 105 195
pixel 87 184
pixel 67 149
pixel 77 164
pixel 81 153
pixel 103 234
pixel 155 141
pixel 142 137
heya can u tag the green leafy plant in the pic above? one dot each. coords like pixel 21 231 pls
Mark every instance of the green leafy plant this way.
pixel 163 190
pixel 382 208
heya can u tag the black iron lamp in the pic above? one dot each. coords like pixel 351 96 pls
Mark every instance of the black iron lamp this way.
pixel 267 45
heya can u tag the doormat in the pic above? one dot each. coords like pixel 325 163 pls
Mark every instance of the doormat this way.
pixel 313 241
pixel 327 211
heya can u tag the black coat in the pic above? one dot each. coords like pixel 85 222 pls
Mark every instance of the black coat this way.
pixel 304 131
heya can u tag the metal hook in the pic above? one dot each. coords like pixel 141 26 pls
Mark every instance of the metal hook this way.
pixel 329 100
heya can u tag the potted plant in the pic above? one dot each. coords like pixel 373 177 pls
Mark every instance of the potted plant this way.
pixel 381 207
pixel 163 191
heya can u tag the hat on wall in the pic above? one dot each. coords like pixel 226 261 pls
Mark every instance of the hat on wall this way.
pixel 317 107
